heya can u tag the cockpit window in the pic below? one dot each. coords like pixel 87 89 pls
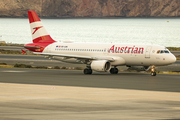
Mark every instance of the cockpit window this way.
pixel 166 51
pixel 162 51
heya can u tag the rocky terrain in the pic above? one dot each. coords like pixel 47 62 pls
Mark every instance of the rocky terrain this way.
pixel 91 8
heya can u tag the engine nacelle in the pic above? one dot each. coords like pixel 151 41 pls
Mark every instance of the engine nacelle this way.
pixel 100 65
pixel 140 68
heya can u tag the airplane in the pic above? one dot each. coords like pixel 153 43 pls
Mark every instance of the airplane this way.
pixel 101 57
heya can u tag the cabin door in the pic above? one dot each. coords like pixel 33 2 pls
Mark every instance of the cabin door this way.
pixel 147 52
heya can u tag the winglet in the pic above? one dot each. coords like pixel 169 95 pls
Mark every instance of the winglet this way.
pixel 23 51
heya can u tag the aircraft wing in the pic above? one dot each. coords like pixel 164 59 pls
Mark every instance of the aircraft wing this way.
pixel 76 56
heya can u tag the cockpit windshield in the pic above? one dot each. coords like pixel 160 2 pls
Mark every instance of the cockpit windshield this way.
pixel 162 51
pixel 166 51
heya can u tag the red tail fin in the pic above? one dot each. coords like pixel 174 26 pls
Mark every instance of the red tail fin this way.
pixel 40 36
pixel 33 17
pixel 38 31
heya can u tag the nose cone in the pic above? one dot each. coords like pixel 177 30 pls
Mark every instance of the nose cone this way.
pixel 172 59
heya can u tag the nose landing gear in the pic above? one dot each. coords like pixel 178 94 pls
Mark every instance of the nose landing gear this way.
pixel 153 73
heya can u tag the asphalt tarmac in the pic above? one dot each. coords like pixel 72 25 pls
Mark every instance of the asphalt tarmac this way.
pixel 33 94
pixel 134 81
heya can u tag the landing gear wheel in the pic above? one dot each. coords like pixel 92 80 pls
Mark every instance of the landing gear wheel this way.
pixel 114 71
pixel 87 71
pixel 153 74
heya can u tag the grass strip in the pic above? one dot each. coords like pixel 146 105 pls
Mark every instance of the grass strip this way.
pixel 4 65
pixel 11 44
pixel 173 48
pixel 2 51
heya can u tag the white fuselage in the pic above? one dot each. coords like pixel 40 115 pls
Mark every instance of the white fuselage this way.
pixel 123 54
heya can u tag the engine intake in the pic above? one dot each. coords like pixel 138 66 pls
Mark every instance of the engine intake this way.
pixel 100 65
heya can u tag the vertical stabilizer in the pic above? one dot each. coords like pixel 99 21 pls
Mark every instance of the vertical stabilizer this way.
pixel 38 31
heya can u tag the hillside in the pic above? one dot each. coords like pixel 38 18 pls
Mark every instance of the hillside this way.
pixel 91 8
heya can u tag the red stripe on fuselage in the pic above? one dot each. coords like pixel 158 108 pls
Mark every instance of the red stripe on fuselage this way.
pixel 33 17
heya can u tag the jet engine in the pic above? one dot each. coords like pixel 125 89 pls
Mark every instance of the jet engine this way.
pixel 139 68
pixel 100 65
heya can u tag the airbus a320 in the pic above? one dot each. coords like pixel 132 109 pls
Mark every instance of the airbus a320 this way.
pixel 101 57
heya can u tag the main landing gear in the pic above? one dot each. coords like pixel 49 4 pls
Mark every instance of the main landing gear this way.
pixel 153 73
pixel 87 71
pixel 114 70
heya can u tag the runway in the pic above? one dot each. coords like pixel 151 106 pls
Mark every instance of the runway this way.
pixel 60 94
pixel 134 81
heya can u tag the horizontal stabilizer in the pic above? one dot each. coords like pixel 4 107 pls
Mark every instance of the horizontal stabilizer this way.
pixel 23 52
pixel 32 47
